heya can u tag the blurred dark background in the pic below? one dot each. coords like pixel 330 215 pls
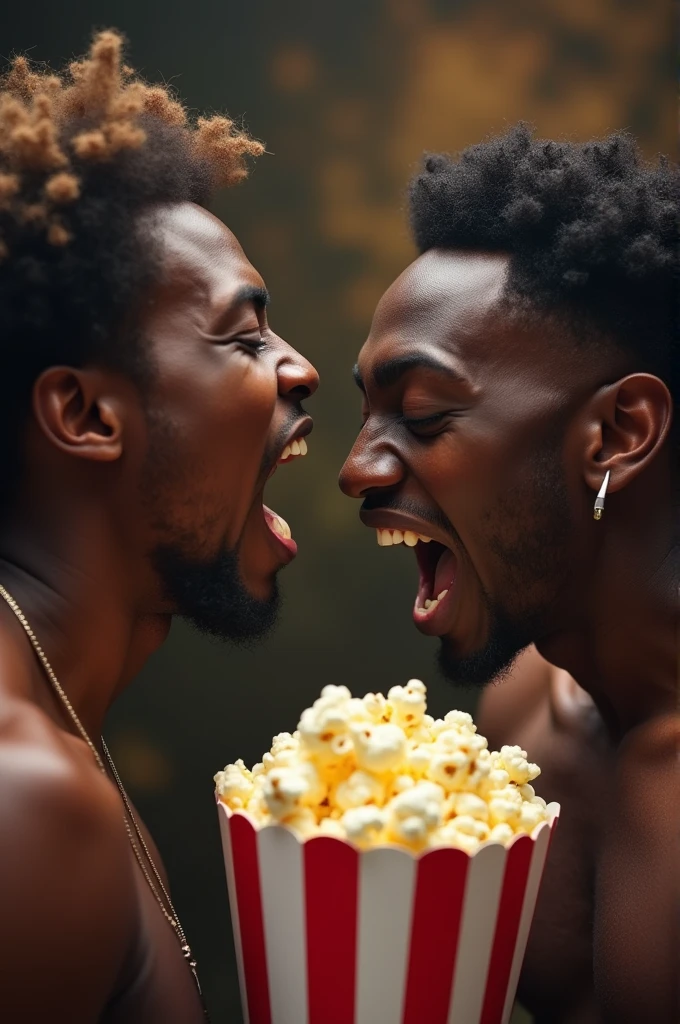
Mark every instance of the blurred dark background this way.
pixel 346 95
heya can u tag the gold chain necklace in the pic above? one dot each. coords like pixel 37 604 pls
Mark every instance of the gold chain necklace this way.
pixel 169 914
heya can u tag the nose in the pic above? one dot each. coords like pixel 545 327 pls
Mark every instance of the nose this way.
pixel 297 377
pixel 370 466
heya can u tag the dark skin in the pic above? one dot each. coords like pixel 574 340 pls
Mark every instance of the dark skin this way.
pixel 491 434
pixel 75 555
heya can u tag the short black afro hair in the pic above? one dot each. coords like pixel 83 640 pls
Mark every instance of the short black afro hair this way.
pixel 591 230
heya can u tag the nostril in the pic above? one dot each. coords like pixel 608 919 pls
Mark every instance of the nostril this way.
pixel 301 391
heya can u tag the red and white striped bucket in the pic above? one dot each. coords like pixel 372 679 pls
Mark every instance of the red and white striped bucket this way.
pixel 329 934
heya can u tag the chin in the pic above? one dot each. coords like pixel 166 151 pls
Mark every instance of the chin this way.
pixel 490 663
pixel 260 588
pixel 214 597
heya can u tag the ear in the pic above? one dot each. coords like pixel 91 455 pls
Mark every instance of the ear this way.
pixel 78 412
pixel 628 425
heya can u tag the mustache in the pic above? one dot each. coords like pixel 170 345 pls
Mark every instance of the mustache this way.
pixel 410 507
pixel 276 445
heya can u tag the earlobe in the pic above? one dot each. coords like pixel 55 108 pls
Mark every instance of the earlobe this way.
pixel 630 422
pixel 78 414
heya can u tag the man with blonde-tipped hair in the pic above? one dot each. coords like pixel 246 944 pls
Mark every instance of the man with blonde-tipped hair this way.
pixel 134 351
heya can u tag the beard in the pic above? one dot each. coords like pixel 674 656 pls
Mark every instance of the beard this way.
pixel 212 596
pixel 494 660
pixel 527 531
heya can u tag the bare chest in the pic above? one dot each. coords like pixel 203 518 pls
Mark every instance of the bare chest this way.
pixel 557 977
pixel 156 985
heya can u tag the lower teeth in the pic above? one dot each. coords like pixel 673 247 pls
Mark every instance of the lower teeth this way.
pixel 430 604
pixel 281 527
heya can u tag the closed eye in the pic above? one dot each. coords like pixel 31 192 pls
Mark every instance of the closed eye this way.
pixel 254 344
pixel 425 426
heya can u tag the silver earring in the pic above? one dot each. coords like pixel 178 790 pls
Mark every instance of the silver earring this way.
pixel 599 500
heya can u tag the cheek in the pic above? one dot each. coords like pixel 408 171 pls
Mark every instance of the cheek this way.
pixel 245 418
pixel 469 478
pixel 230 417
pixel 220 433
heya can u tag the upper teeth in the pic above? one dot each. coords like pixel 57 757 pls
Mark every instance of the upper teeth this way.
pixel 296 447
pixel 388 537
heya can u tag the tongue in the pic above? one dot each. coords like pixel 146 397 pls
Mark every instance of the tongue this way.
pixel 445 573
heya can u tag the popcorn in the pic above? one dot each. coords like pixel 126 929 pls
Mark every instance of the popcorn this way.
pixel 376 708
pixel 377 770
pixel 470 805
pixel 287 790
pixel 408 704
pixel 331 827
pixel 501 833
pixel 379 748
pixel 363 825
pixel 413 814
pixel 514 760
pixel 360 788
pixel 234 785
pixel 419 760
pixel 461 720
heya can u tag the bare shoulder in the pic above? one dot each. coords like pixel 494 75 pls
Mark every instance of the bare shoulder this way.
pixel 507 707
pixel 543 709
pixel 66 886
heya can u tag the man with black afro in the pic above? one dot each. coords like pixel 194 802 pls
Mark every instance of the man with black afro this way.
pixel 144 403
pixel 519 384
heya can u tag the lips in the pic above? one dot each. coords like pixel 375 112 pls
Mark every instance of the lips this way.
pixel 280 529
pixel 294 448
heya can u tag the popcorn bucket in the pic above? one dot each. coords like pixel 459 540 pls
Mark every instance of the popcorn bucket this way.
pixel 326 933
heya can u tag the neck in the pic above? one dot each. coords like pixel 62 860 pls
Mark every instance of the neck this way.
pixel 622 642
pixel 73 586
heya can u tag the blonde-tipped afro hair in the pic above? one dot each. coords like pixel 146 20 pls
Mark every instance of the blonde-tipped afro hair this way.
pixel 56 130
pixel 83 155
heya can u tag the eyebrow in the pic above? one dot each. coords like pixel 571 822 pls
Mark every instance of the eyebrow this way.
pixel 249 293
pixel 388 373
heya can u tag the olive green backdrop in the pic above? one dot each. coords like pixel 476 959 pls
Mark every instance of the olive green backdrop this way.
pixel 347 95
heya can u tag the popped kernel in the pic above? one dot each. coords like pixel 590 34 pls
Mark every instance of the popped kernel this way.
pixel 331 827
pixel 376 770
pixel 376 708
pixel 234 785
pixel 363 825
pixel 468 804
pixel 378 748
pixel 360 788
pixel 413 814
pixel 408 704
pixel 287 790
pixel 501 833
pixel 514 760
pixel 447 835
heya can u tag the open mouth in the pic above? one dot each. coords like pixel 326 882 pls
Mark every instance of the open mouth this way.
pixel 278 527
pixel 437 567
